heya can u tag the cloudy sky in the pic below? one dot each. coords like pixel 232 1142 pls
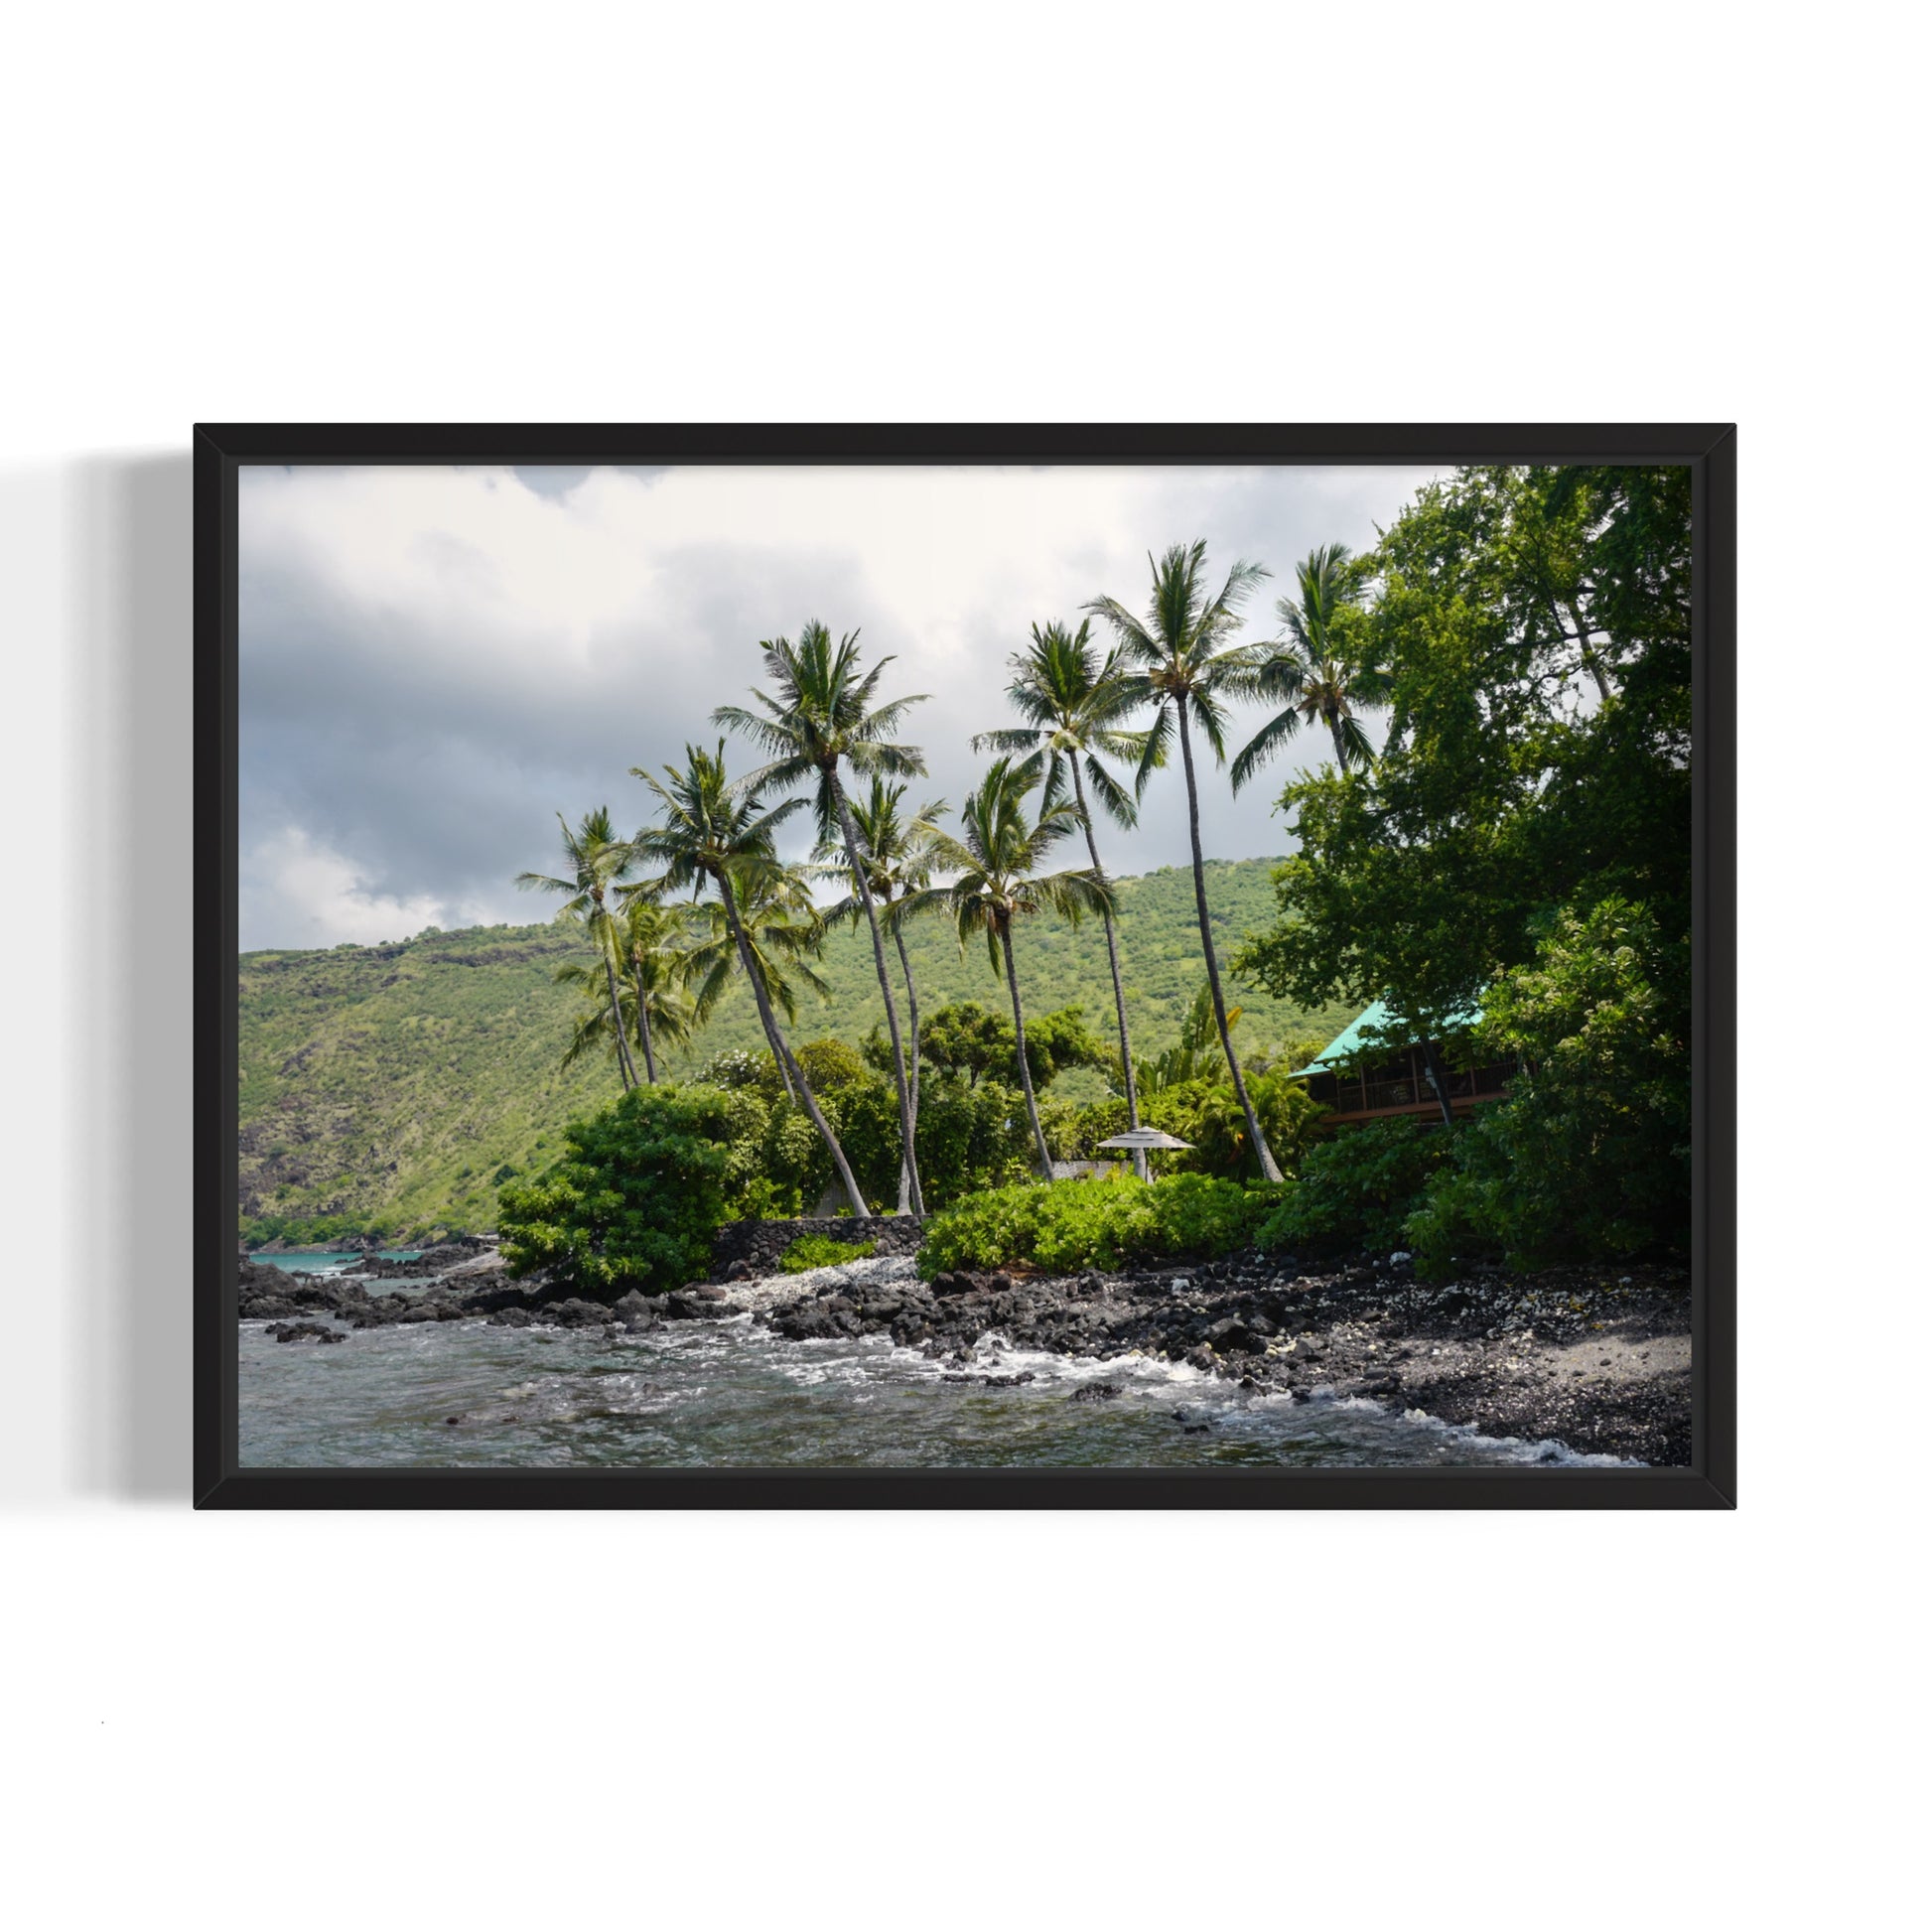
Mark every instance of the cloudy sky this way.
pixel 436 661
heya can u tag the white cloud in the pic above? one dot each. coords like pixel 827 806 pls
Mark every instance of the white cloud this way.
pixel 307 894
pixel 435 661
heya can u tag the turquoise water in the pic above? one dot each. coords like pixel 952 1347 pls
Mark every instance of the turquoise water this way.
pixel 729 1393
pixel 328 1262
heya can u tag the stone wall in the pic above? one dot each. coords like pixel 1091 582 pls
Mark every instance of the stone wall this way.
pixel 758 1243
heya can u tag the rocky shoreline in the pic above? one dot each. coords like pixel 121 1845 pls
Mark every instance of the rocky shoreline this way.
pixel 1596 1358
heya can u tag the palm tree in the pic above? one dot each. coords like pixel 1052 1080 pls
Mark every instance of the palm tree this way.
pixel 657 973
pixel 720 833
pixel 1181 650
pixel 596 858
pixel 1309 668
pixel 997 856
pixel 822 715
pixel 784 932
pixel 899 863
pixel 1075 706
pixel 594 1032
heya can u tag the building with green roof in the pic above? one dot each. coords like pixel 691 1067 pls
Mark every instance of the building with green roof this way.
pixel 1360 1076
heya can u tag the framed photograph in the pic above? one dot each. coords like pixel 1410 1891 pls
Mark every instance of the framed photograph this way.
pixel 994 966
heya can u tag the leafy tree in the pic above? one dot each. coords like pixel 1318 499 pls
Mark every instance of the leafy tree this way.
pixel 1531 644
pixel 823 715
pixel 968 1042
pixel 596 858
pixel 965 1041
pixel 997 857
pixel 1310 671
pixel 1589 1153
pixel 1077 706
pixel 719 833
pixel 1182 649
pixel 634 1203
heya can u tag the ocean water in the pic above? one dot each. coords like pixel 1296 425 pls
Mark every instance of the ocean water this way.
pixel 732 1393
pixel 328 1262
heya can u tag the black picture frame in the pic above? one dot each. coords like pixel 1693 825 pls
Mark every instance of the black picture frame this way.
pixel 1710 449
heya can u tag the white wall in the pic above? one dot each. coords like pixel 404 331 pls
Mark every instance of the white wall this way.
pixel 1652 212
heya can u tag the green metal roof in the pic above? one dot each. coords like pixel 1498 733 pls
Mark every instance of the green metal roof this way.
pixel 1346 1044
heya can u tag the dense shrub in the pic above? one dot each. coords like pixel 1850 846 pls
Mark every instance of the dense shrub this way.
pixel 1357 1189
pixel 1589 1154
pixel 965 1041
pixel 970 1135
pixel 816 1250
pixel 1206 1113
pixel 1078 1224
pixel 636 1199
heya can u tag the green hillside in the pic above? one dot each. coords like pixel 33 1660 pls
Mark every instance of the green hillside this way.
pixel 394 1082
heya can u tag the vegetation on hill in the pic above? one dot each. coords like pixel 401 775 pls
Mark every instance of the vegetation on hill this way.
pixel 389 1088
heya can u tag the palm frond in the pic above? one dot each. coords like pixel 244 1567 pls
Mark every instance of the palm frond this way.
pixel 1212 719
pixel 1264 744
pixel 1114 797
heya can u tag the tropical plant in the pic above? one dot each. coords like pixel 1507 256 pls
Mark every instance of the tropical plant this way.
pixel 1508 782
pixel 822 714
pixel 1358 1190
pixel 1077 705
pixel 720 834
pixel 1192 1056
pixel 1082 1223
pixel 654 940
pixel 1183 651
pixel 812 1250
pixel 782 933
pixel 653 986
pixel 966 1041
pixel 1309 670
pixel 898 854
pixel 996 859
pixel 1590 1154
pixel 634 1203
pixel 597 860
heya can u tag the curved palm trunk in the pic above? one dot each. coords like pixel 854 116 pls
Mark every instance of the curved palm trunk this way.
pixel 1113 965
pixel 794 1075
pixel 908 1158
pixel 644 1032
pixel 1268 1169
pixel 1025 1071
pixel 912 1013
pixel 625 1070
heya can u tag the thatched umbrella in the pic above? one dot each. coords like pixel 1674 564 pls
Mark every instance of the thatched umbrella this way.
pixel 1146 1139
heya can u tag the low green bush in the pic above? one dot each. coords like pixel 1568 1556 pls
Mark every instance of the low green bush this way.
pixel 816 1250
pixel 1074 1224
pixel 1358 1189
